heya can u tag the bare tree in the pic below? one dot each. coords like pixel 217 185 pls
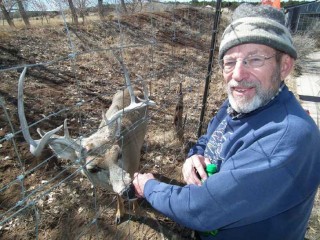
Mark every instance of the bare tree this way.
pixel 40 6
pixel 130 6
pixel 56 4
pixel 6 14
pixel 123 6
pixel 101 9
pixel 73 12
pixel 134 5
pixel 81 6
pixel 23 13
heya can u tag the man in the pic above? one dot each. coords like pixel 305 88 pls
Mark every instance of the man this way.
pixel 264 144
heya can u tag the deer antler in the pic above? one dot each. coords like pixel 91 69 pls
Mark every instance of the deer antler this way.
pixel 36 146
pixel 145 93
pixel 133 104
pixel 66 140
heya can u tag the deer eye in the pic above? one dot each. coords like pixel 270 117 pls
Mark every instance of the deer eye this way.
pixel 94 169
pixel 120 154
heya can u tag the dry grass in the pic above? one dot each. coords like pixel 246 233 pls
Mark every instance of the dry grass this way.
pixel 305 44
pixel 315 33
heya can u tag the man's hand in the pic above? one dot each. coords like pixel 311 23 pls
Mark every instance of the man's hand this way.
pixel 139 181
pixel 194 167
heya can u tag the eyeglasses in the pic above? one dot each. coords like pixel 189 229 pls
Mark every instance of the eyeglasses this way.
pixel 254 61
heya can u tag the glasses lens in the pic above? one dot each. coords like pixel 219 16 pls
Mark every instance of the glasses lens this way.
pixel 229 64
pixel 255 61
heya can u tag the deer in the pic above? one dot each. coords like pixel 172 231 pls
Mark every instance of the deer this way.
pixel 110 156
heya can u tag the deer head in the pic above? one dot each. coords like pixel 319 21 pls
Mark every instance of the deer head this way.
pixel 109 156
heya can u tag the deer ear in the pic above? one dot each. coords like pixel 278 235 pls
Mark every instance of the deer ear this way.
pixel 63 151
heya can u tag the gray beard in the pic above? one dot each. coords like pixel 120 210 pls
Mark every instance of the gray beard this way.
pixel 262 97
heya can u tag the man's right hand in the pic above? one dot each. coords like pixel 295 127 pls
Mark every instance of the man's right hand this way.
pixel 194 167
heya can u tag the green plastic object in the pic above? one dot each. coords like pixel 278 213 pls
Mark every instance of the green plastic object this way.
pixel 212 233
pixel 211 169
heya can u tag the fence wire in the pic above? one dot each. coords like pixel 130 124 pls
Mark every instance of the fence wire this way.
pixel 72 73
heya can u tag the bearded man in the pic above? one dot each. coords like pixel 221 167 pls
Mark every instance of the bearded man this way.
pixel 263 143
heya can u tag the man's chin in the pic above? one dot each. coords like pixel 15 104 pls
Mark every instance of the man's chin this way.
pixel 245 106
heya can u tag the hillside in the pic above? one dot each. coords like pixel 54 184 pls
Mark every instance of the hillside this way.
pixel 73 73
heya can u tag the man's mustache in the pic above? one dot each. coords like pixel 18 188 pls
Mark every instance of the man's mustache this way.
pixel 243 83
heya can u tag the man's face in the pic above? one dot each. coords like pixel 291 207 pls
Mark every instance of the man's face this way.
pixel 251 87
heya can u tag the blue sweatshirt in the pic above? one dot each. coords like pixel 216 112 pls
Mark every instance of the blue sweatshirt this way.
pixel 269 172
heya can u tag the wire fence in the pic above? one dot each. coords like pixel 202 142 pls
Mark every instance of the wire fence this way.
pixel 73 73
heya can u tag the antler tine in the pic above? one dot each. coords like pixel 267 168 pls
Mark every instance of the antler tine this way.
pixel 133 105
pixel 127 78
pixel 66 130
pixel 145 93
pixel 36 146
pixel 68 139
pixel 63 142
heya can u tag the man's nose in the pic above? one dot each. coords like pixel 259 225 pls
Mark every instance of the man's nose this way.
pixel 240 71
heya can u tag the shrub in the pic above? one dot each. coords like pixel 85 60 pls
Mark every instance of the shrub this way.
pixel 304 44
pixel 315 33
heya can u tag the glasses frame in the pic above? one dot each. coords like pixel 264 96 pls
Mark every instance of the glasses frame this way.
pixel 245 62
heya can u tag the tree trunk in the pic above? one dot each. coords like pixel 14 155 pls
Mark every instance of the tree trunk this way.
pixel 23 13
pixel 6 15
pixel 100 9
pixel 123 5
pixel 73 12
pixel 82 15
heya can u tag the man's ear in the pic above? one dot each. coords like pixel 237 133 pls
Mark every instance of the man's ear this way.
pixel 287 64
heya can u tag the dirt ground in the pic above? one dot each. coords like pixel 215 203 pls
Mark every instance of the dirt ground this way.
pixel 73 74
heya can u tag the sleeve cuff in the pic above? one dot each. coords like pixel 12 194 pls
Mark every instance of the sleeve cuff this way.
pixel 149 187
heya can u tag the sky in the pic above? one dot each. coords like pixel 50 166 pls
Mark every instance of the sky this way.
pixel 51 5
